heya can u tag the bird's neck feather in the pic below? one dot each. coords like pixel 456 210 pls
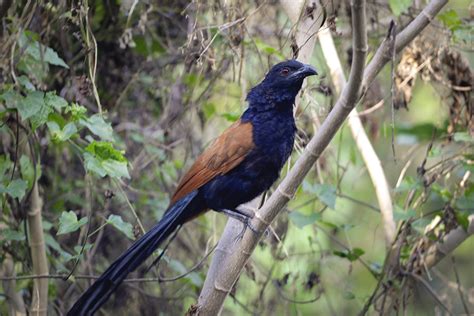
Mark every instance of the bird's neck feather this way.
pixel 267 98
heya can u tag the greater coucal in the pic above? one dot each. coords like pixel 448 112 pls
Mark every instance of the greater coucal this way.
pixel 241 164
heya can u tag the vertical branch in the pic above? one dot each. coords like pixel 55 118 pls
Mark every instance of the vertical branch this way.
pixel 371 160
pixel 39 305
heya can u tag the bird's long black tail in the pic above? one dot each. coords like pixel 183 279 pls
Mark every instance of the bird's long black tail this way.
pixel 104 286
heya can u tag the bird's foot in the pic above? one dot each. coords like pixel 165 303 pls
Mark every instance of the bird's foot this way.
pixel 244 218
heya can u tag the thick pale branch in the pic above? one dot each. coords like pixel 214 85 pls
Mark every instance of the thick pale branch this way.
pixel 371 160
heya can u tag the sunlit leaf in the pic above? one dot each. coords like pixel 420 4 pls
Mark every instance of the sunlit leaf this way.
pixel 10 234
pixel 69 223
pixel 97 125
pixel 16 188
pixel 399 6
pixel 351 255
pixel 450 19
pixel 326 193
pixel 55 101
pixel 301 220
pixel 119 224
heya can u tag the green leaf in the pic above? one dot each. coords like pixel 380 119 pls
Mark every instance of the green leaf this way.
pixel 103 159
pixel 16 188
pixel 116 169
pixel 10 234
pixel 124 227
pixel 11 98
pixel 209 109
pixel 326 193
pixel 422 131
pixel 104 151
pixel 450 19
pixel 68 223
pixel 463 137
pixel 351 255
pixel 31 104
pixel 40 52
pixel 98 126
pixel 54 101
pixel 399 6
pixel 463 219
pixel 61 135
pixel 400 215
pixel 301 220
pixel 261 46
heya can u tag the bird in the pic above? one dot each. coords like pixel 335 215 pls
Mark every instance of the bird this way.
pixel 242 163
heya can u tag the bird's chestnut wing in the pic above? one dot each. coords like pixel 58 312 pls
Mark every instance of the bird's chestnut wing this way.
pixel 225 153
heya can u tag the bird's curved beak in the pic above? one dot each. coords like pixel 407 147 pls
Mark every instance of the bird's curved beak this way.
pixel 305 71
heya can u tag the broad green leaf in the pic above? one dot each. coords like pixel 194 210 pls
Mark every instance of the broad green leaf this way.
pixel 94 165
pixel 422 131
pixel 10 234
pixel 124 227
pixel 301 220
pixel 351 255
pixel 401 215
pixel 61 135
pixel 11 98
pixel 16 188
pixel 116 168
pixel 42 53
pixel 69 223
pixel 31 104
pixel 103 159
pixel 326 193
pixel 450 19
pixel 54 101
pixel 399 6
pixel 98 126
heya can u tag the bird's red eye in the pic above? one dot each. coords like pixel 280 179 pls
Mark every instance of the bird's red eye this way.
pixel 285 71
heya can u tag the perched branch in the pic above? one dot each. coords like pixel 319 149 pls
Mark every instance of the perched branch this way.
pixel 231 259
pixel 371 160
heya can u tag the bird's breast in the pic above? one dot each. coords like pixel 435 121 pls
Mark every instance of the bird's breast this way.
pixel 274 135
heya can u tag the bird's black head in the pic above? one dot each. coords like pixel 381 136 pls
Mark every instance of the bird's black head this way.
pixel 282 83
pixel 288 74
